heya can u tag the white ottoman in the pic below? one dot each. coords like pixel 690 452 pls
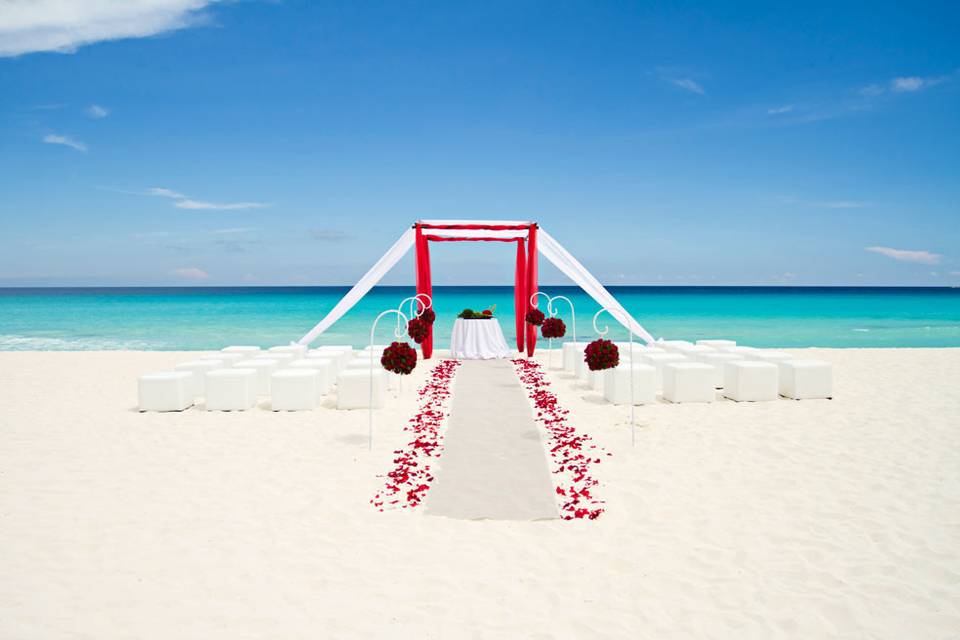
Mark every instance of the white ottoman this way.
pixel 167 391
pixel 695 351
pixel 340 356
pixel 245 350
pixel 231 389
pixel 363 361
pixel 718 361
pixel 571 353
pixel 688 382
pixel 596 379
pixel 280 359
pixel 616 384
pixel 750 381
pixel 226 359
pixel 769 355
pixel 658 360
pixel 376 348
pixel 264 368
pixel 718 344
pixel 672 345
pixel 295 350
pixel 353 388
pixel 743 352
pixel 806 379
pixel 326 369
pixel 294 389
pixel 199 370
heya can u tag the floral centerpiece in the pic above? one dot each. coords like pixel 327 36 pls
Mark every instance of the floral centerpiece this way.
pixel 470 314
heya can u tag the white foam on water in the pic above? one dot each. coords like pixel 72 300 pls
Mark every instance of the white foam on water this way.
pixel 34 343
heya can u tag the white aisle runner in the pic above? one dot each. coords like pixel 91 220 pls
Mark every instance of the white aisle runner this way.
pixel 493 465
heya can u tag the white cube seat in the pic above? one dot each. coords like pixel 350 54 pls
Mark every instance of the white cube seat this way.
pixel 744 352
pixel 718 361
pixel 198 369
pixel 280 358
pixel 695 351
pixel 363 361
pixel 166 391
pixel 243 349
pixel 673 345
pixel 616 384
pixel 225 358
pixel 340 356
pixel 718 344
pixel 658 360
pixel 264 368
pixel 769 355
pixel 806 379
pixel 596 379
pixel 688 382
pixel 295 350
pixel 295 389
pixel 231 389
pixel 378 348
pixel 326 369
pixel 750 381
pixel 353 388
pixel 572 353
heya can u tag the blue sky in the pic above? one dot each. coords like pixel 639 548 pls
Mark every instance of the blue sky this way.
pixel 188 142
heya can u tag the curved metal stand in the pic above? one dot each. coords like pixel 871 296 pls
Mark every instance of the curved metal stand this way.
pixel 399 334
pixel 553 314
pixel 602 333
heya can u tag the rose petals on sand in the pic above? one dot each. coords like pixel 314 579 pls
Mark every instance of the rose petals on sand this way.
pixel 572 453
pixel 410 479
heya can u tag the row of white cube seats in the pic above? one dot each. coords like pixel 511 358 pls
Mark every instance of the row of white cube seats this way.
pixel 684 372
pixel 233 378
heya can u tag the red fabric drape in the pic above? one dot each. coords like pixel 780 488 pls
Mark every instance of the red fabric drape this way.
pixel 520 294
pixel 531 285
pixel 424 284
pixel 478 227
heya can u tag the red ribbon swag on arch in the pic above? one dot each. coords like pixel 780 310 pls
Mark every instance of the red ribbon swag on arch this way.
pixel 525 278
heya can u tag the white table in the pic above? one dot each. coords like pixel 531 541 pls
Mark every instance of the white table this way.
pixel 478 340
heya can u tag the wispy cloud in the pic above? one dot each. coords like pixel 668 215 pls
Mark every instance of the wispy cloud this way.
pixel 232 231
pixel 905 255
pixel 182 201
pixel 688 84
pixel 67 141
pixel 904 84
pixel 841 204
pixel 164 193
pixel 787 108
pixel 187 203
pixel 191 273
pixel 96 112
pixel 329 235
pixel 65 25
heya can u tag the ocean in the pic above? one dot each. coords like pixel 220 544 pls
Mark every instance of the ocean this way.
pixel 204 318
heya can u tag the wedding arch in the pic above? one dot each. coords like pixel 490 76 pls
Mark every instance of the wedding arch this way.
pixel 531 240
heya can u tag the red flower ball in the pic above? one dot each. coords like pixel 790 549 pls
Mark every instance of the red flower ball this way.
pixel 418 330
pixel 601 354
pixel 535 317
pixel 553 328
pixel 428 316
pixel 400 358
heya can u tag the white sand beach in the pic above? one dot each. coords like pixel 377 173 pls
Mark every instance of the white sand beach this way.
pixel 810 519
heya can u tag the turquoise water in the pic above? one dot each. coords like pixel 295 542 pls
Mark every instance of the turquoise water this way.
pixel 210 318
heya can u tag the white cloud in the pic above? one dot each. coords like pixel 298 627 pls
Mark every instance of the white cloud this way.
pixel 53 138
pixel 191 273
pixel 164 193
pixel 787 108
pixel 232 231
pixel 913 83
pixel 64 25
pixel 96 112
pixel 226 206
pixel 904 255
pixel 842 204
pixel 688 84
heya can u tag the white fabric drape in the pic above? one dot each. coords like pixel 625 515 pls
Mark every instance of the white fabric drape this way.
pixel 561 258
pixel 367 282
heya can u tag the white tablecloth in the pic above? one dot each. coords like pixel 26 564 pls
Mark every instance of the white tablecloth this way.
pixel 478 340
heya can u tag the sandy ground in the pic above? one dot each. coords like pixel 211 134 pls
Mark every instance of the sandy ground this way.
pixel 814 519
